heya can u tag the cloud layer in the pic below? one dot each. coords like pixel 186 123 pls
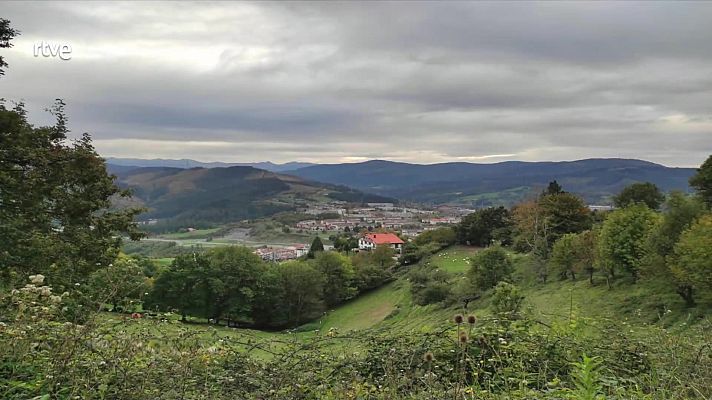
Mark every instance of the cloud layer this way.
pixel 333 82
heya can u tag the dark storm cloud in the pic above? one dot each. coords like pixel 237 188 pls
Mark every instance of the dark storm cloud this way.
pixel 420 82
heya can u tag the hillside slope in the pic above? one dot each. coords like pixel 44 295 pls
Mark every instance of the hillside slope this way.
pixel 491 184
pixel 222 195
pixel 648 302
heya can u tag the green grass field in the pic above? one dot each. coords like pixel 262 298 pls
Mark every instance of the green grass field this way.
pixel 196 234
pixel 163 262
pixel 455 259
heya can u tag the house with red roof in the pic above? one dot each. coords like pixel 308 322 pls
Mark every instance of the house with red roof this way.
pixel 370 241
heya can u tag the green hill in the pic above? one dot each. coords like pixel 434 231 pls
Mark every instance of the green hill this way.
pixel 208 196
pixel 646 302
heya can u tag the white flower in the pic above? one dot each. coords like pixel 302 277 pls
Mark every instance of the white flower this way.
pixel 37 279
pixel 55 299
pixel 45 290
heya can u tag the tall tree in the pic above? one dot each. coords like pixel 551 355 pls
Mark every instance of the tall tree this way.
pixel 641 192
pixel 680 212
pixel 338 277
pixel 480 228
pixel 316 247
pixel 6 36
pixel 702 181
pixel 303 291
pixel 691 263
pixel 564 213
pixel 553 188
pixel 624 237
pixel 574 253
pixel 55 202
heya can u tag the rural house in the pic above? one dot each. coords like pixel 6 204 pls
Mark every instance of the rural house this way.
pixel 370 241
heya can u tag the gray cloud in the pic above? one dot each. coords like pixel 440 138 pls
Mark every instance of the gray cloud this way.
pixel 419 82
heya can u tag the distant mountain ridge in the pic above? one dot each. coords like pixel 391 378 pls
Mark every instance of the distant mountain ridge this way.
pixel 188 163
pixel 196 196
pixel 499 183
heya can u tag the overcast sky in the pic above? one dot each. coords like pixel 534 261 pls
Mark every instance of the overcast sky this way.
pixel 341 82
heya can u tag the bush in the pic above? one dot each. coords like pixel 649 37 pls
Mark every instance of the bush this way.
pixel 489 267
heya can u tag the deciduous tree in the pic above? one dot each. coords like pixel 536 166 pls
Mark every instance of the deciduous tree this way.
pixel 702 181
pixel 691 263
pixel 623 239
pixel 642 192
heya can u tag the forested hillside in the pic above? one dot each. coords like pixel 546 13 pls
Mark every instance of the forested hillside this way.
pixel 211 195
pixel 596 180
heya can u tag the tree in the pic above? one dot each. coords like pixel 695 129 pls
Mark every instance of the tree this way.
pixel 489 267
pixel 303 290
pixel 382 256
pixel 181 286
pixel 55 203
pixel 338 276
pixel 574 253
pixel 564 257
pixel 478 228
pixel 702 181
pixel 316 247
pixel 443 237
pixel 564 213
pixel 680 212
pixel 646 193
pixel 6 36
pixel 623 238
pixel 553 188
pixel 119 284
pixel 691 263
pixel 234 277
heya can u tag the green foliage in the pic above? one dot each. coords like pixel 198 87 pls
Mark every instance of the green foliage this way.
pixel 427 243
pixel 702 181
pixel 642 192
pixel 623 239
pixel 483 226
pixel 6 35
pixel 506 300
pixel 680 212
pixel 317 246
pixel 587 378
pixel 564 213
pixel 121 284
pixel 55 202
pixel 563 256
pixel 489 267
pixel 574 253
pixel 303 291
pixel 344 242
pixel 445 236
pixel 338 277
pixel 691 263
pixel 429 285
pixel 553 188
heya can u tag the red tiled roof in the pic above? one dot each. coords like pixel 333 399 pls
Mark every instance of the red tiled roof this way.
pixel 384 238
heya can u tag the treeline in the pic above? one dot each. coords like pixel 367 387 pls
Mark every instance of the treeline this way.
pixel 648 235
pixel 231 285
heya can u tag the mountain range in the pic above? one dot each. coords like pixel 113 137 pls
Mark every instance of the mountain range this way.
pixel 188 163
pixel 216 191
pixel 196 196
pixel 597 180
